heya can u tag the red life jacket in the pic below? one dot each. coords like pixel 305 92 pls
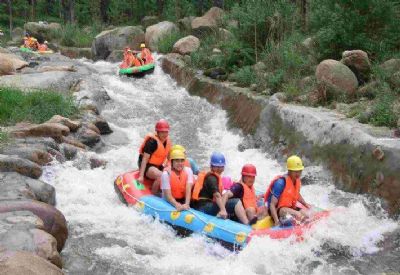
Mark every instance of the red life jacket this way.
pixel 178 183
pixel 42 48
pixel 160 155
pixel 290 194
pixel 198 185
pixel 249 196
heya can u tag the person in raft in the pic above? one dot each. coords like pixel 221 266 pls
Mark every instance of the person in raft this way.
pixel 176 181
pixel 145 54
pixel 189 162
pixel 153 154
pixel 130 59
pixel 207 193
pixel 284 192
pixel 244 191
pixel 43 47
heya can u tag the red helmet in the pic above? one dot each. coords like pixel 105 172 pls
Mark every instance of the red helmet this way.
pixel 162 126
pixel 249 170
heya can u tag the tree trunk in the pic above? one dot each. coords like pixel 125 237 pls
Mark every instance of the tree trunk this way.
pixel 178 9
pixel 32 4
pixel 10 16
pixel 104 10
pixel 255 41
pixel 160 7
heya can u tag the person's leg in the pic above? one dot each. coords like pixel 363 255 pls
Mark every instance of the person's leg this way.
pixel 286 210
pixel 235 207
pixel 154 173
pixel 209 208
pixel 251 213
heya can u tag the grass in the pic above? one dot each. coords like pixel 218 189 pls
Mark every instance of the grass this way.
pixel 35 106
pixel 75 36
pixel 166 43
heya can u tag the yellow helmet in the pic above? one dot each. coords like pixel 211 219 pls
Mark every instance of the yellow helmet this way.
pixel 294 163
pixel 142 45
pixel 178 147
pixel 176 154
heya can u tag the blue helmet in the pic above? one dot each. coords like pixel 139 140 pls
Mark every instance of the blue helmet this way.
pixel 217 159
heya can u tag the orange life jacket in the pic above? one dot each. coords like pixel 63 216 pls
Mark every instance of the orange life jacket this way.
pixel 249 196
pixel 290 194
pixel 32 43
pixel 146 56
pixel 178 183
pixel 160 155
pixel 42 48
pixel 198 185
pixel 135 61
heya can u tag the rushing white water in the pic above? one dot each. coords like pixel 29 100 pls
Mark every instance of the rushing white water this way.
pixel 106 237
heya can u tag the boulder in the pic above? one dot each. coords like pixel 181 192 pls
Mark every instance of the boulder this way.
pixel 225 35
pixel 73 141
pixel 359 63
pixel 23 166
pixel 53 220
pixel 47 129
pixel 391 66
pixel 98 121
pixel 210 20
pixel 21 230
pixel 69 151
pixel 43 31
pixel 17 34
pixel 96 162
pixel 116 56
pixel 156 32
pixel 22 263
pixel 186 45
pixel 185 24
pixel 335 74
pixel 56 68
pixel 2 50
pixel 9 63
pixel 149 20
pixel 43 143
pixel 38 156
pixel 88 136
pixel 73 52
pixel 116 39
pixel 16 186
pixel 71 124
pixel 394 80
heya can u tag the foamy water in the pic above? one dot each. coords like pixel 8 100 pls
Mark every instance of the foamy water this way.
pixel 106 237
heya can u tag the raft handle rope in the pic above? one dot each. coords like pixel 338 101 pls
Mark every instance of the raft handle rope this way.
pixel 190 211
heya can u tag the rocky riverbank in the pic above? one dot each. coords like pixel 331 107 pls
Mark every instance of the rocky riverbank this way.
pixel 32 231
pixel 362 158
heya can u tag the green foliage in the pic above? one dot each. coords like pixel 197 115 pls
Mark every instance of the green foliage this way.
pixel 75 36
pixel 35 106
pixel 176 9
pixel 245 76
pixel 166 43
pixel 4 138
pixel 383 114
pixel 370 25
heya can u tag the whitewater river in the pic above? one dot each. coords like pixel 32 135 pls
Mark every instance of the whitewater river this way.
pixel 106 237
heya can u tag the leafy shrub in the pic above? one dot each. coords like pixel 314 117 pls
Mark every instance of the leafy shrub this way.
pixel 245 76
pixel 75 36
pixel 34 106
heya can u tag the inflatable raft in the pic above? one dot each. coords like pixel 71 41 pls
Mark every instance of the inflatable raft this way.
pixel 229 232
pixel 138 71
pixel 28 50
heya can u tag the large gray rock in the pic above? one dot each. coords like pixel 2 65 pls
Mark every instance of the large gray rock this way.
pixel 391 66
pixel 358 62
pixel 35 155
pixel 17 34
pixel 116 56
pixel 71 124
pixel 88 136
pixel 116 39
pixel 9 63
pixel 58 81
pixel 21 230
pixel 186 45
pixel 43 31
pixel 335 74
pixel 98 121
pixel 16 186
pixel 53 220
pixel 47 129
pixel 210 20
pixel 157 32
pixel 23 263
pixel 73 52
pixel 20 165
